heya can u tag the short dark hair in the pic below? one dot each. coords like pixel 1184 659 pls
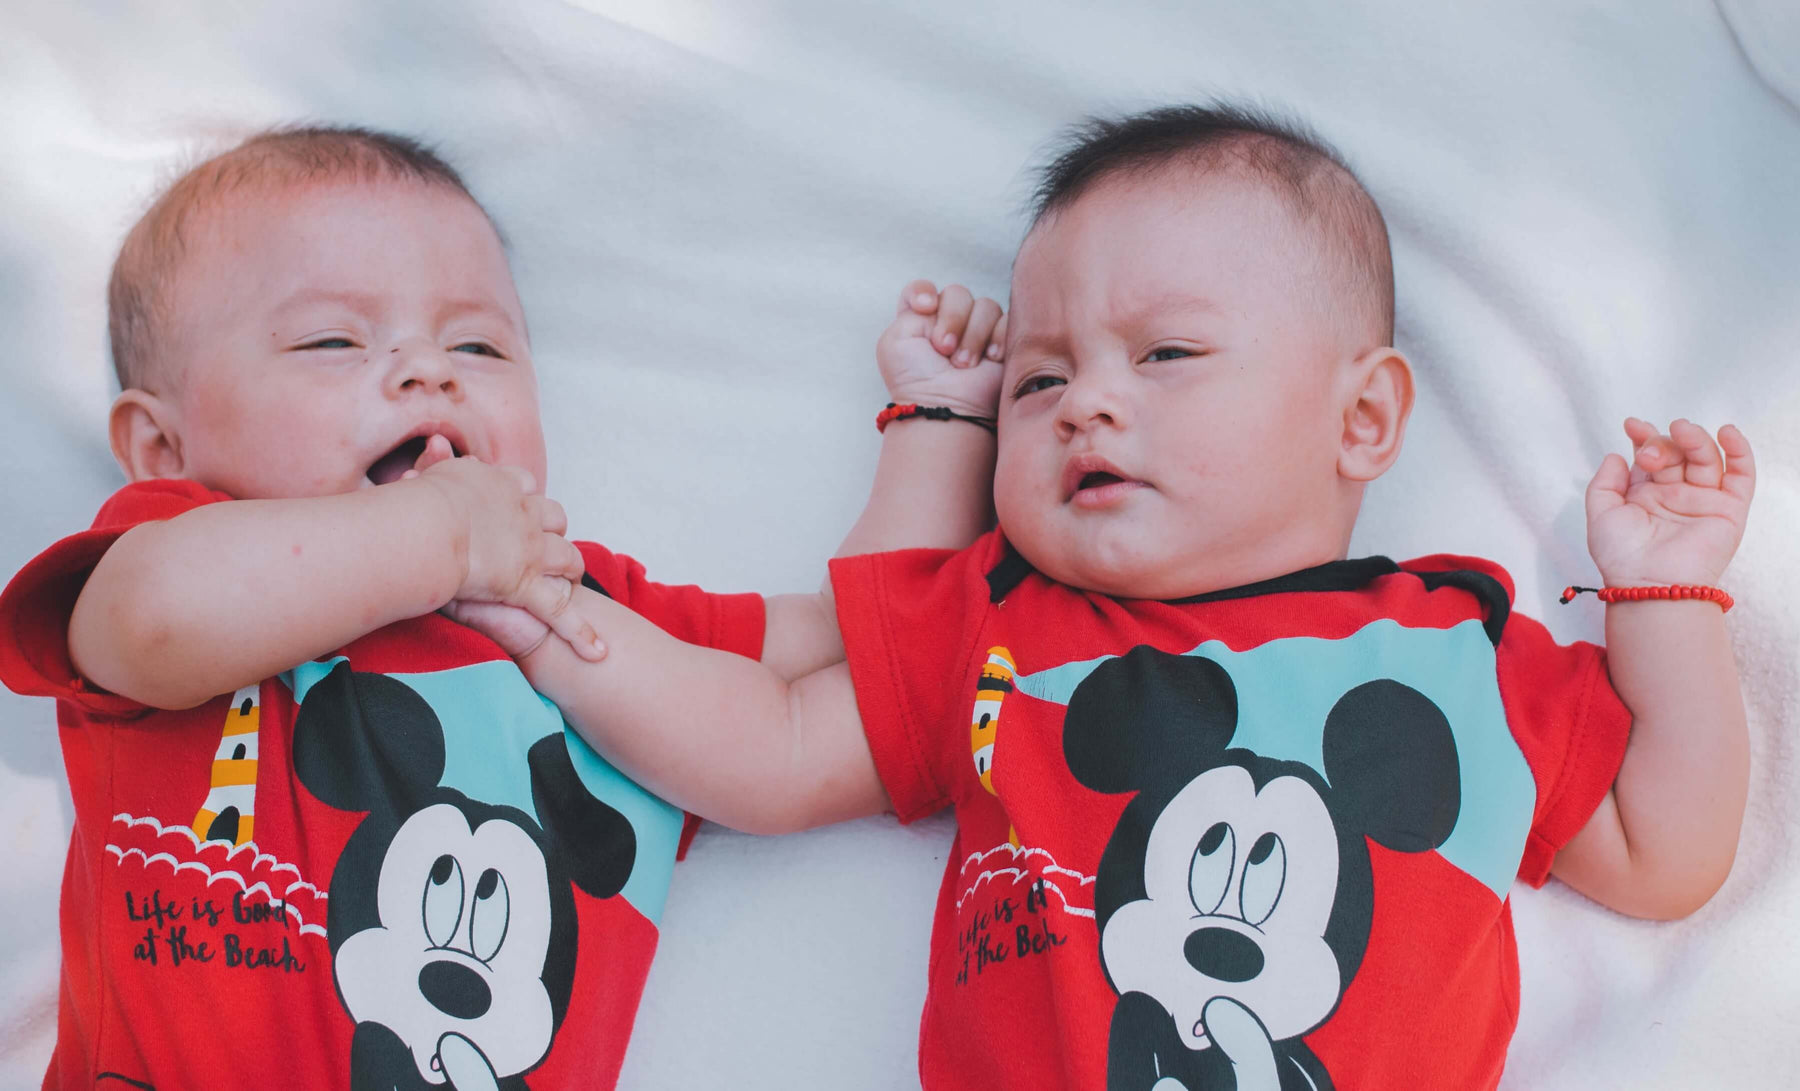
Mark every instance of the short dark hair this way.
pixel 137 295
pixel 1283 153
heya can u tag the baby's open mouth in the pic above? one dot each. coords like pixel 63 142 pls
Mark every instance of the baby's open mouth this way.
pixel 1098 479
pixel 393 465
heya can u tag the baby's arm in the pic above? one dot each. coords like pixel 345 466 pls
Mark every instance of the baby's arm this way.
pixel 716 734
pixel 778 745
pixel 181 610
pixel 934 482
pixel 1662 841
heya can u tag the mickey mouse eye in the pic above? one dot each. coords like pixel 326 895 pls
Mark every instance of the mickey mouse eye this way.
pixel 1265 872
pixel 443 903
pixel 1209 875
pixel 488 917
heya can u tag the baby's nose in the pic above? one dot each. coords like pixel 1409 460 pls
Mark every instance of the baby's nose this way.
pixel 421 367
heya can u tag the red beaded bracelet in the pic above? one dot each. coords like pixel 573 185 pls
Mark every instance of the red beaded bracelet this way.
pixel 908 410
pixel 1644 594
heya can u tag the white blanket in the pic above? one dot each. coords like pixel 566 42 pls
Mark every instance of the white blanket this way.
pixel 712 206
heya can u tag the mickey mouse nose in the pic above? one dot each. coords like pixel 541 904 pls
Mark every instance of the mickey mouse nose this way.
pixel 454 989
pixel 1223 955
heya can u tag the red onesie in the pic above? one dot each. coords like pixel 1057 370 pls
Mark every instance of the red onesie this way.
pixel 393 866
pixel 1260 838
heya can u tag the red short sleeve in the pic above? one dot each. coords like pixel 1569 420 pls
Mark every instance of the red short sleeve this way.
pixel 732 623
pixel 36 605
pixel 910 622
pixel 1571 726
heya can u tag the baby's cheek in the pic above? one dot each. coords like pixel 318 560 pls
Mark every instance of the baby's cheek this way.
pixel 518 439
pixel 1021 508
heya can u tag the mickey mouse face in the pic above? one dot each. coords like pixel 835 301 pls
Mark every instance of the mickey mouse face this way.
pixel 465 925
pixel 1240 885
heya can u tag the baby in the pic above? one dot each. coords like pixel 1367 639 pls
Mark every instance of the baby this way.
pixel 325 836
pixel 1232 810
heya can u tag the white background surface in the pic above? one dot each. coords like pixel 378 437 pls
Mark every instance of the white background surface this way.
pixel 1595 210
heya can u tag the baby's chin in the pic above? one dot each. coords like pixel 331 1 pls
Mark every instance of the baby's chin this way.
pixel 1114 565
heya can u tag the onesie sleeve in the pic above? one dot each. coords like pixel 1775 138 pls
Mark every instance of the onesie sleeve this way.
pixel 732 623
pixel 36 606
pixel 910 620
pixel 1571 726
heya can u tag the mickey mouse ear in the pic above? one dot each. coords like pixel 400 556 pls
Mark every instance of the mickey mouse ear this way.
pixel 367 742
pixel 1390 758
pixel 1148 717
pixel 593 840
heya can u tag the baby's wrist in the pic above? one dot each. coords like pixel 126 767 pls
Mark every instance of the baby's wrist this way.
pixel 924 396
pixel 438 507
pixel 1694 577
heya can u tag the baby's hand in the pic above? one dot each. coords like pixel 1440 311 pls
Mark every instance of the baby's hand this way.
pixel 1675 516
pixel 944 348
pixel 516 558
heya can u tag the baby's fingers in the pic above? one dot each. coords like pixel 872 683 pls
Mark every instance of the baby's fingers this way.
pixel 515 630
pixel 954 306
pixel 976 338
pixel 1740 465
pixel 919 297
pixel 561 558
pixel 437 449
pixel 551 599
pixel 550 516
pixel 1658 456
pixel 520 475
pixel 1703 465
pixel 1607 490
pixel 996 349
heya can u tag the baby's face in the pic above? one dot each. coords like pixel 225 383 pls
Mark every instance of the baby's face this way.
pixel 322 332
pixel 1171 413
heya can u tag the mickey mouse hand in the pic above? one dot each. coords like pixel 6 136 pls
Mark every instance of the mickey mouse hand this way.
pixel 1241 1037
pixel 465 1067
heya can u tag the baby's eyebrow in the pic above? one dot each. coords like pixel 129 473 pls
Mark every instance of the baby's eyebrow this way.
pixel 362 303
pixel 457 308
pixel 1034 343
pixel 1165 302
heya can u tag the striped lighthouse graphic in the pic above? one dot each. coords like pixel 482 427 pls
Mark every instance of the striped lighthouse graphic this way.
pixel 991 688
pixel 229 812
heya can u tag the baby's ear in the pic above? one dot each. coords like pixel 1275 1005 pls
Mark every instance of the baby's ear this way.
pixel 1379 399
pixel 145 440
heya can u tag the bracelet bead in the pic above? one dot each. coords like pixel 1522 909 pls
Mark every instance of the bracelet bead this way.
pixel 1669 593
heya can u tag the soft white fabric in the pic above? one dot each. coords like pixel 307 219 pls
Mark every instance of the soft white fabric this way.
pixel 713 206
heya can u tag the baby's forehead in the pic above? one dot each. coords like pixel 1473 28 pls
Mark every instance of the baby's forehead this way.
pixel 1178 200
pixel 1196 233
pixel 290 243
pixel 246 214
pixel 1144 238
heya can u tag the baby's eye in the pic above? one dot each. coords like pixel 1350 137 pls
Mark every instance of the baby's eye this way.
pixel 478 348
pixel 1037 383
pixel 1169 352
pixel 329 343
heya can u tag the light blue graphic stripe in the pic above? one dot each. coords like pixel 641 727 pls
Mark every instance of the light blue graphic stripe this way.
pixel 491 716
pixel 1286 688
